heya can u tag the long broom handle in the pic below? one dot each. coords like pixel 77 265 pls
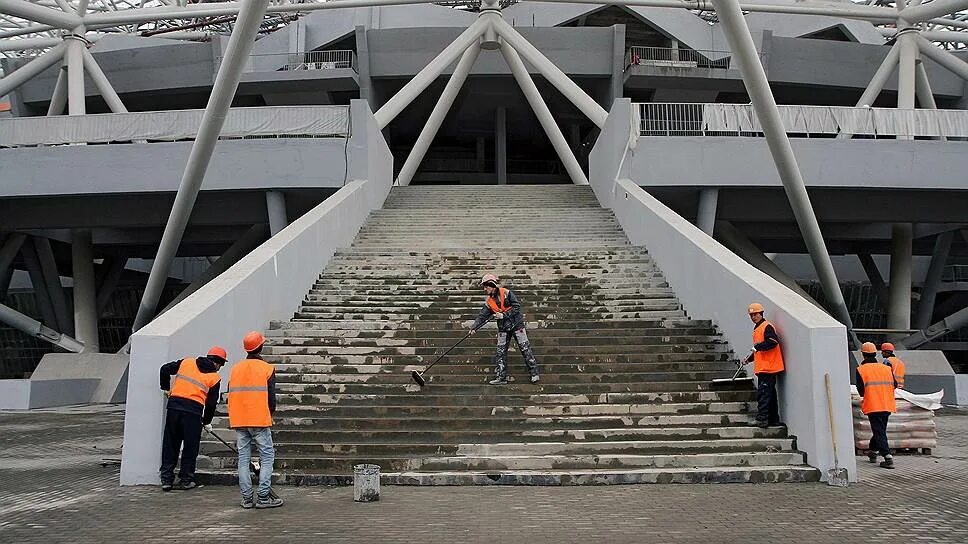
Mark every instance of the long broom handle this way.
pixel 830 416
pixel 451 348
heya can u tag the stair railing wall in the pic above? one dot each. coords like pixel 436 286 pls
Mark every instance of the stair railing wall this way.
pixel 267 284
pixel 713 283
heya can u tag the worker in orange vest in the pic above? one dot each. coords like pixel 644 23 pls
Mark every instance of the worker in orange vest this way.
pixel 504 306
pixel 252 401
pixel 896 364
pixel 876 383
pixel 191 405
pixel 767 365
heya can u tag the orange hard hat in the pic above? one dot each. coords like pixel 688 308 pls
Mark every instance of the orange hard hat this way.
pixel 887 346
pixel 868 347
pixel 218 351
pixel 253 341
pixel 756 308
pixel 488 278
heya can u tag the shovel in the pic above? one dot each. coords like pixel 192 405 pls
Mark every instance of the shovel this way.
pixel 836 476
pixel 419 378
pixel 253 464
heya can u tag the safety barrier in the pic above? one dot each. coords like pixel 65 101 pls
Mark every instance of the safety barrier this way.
pixel 299 61
pixel 682 119
pixel 677 58
pixel 169 126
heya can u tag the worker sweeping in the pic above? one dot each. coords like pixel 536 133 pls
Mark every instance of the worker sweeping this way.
pixel 502 305
pixel 191 404
pixel 252 400
pixel 893 361
pixel 876 384
pixel 767 366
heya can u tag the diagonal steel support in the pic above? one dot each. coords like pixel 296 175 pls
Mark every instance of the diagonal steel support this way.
pixel 438 114
pixel 545 117
pixel 942 247
pixel 552 73
pixel 226 83
pixel 31 70
pixel 103 85
pixel 744 51
pixel 389 111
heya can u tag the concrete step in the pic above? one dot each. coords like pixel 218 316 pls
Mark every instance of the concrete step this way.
pixel 520 385
pixel 590 476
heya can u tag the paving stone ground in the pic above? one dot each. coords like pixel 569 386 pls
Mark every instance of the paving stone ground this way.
pixel 54 489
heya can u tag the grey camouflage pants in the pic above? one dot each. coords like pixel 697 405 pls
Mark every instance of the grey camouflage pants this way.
pixel 524 345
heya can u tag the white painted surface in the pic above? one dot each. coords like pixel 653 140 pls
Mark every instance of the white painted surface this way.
pixel 713 283
pixel 268 284
pixel 14 394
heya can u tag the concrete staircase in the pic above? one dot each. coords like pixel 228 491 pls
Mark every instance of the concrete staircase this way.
pixel 624 394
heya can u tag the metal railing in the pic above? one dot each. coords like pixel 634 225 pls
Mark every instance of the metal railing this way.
pixel 668 119
pixel 300 61
pixel 175 125
pixel 677 58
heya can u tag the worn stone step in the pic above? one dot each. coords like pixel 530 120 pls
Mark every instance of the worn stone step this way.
pixel 443 325
pixel 520 384
pixel 294 336
pixel 428 398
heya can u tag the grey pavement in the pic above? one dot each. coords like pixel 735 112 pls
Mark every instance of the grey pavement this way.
pixel 53 488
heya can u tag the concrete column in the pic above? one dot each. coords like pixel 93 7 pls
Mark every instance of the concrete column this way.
pixel 48 266
pixel 363 68
pixel 675 50
pixel 706 214
pixel 942 246
pixel 501 144
pixel 85 297
pixel 226 83
pixel 41 296
pixel 899 303
pixel 617 83
pixel 754 77
pixel 479 153
pixel 276 209
pixel 75 75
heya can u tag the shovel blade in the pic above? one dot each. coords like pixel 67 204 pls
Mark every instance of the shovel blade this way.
pixel 837 477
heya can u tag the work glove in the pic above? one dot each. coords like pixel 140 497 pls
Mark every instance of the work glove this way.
pixel 472 331
pixel 166 392
pixel 208 428
pixel 498 315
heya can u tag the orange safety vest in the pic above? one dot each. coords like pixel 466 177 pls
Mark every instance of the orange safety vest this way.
pixel 878 388
pixel 769 361
pixel 191 383
pixel 494 306
pixel 897 366
pixel 249 394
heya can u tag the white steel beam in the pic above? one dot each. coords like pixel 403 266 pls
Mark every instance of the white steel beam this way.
pixel 103 85
pixel 438 114
pixel 944 58
pixel 425 77
pixel 223 91
pixel 30 70
pixel 935 8
pixel 552 73
pixel 764 105
pixel 545 117
pixel 39 14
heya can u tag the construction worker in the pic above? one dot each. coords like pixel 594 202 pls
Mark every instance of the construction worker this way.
pixel 504 306
pixel 252 401
pixel 896 364
pixel 876 384
pixel 767 365
pixel 191 405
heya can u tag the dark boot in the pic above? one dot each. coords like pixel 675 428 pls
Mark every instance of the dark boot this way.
pixel 888 462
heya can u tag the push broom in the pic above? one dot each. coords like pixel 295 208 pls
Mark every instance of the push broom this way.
pixel 419 377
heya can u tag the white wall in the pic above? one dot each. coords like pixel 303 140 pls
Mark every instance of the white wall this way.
pixel 713 283
pixel 267 284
